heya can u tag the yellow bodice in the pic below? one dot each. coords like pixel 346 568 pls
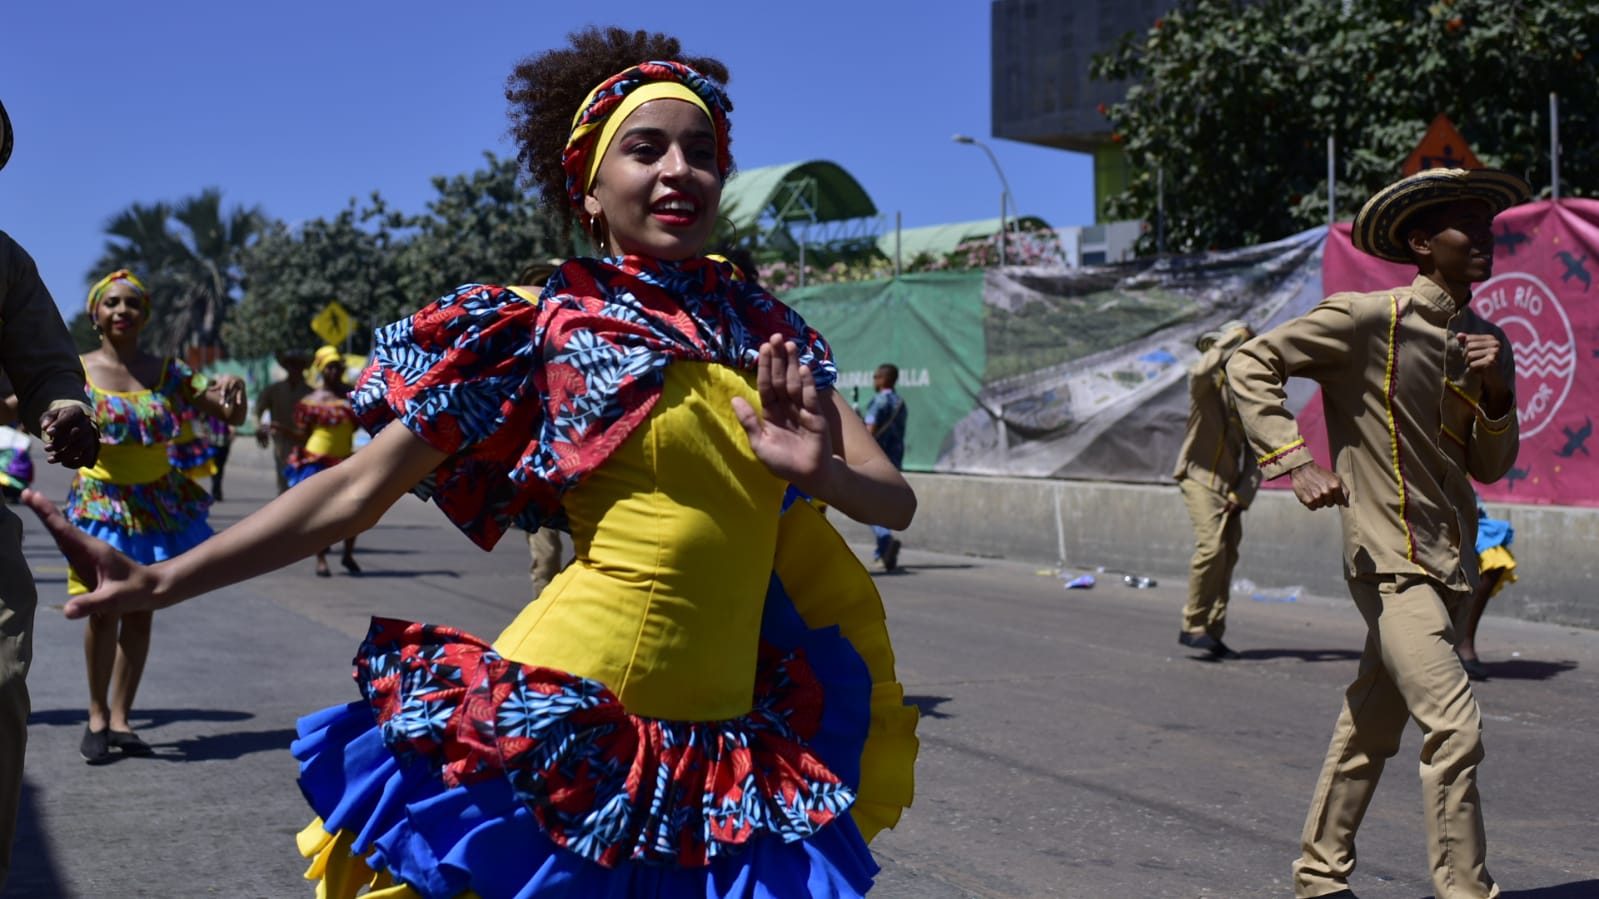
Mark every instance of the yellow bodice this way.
pixel 129 463
pixel 338 440
pixel 675 535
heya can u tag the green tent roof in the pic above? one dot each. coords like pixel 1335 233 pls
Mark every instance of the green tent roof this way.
pixel 837 197
pixel 941 240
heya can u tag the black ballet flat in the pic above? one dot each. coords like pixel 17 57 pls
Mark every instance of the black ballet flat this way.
pixel 96 746
pixel 129 743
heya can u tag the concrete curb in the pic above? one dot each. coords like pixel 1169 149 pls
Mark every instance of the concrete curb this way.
pixel 1144 529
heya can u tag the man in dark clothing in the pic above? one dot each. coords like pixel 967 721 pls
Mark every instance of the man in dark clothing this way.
pixel 885 419
pixel 39 358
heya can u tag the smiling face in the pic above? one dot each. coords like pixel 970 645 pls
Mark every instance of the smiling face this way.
pixel 120 312
pixel 657 189
pixel 1455 242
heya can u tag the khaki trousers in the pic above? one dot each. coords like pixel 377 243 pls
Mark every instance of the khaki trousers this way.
pixel 1210 572
pixel 18 600
pixel 544 545
pixel 1408 670
pixel 281 448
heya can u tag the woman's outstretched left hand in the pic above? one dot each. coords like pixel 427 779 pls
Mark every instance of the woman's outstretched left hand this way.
pixel 789 434
pixel 118 583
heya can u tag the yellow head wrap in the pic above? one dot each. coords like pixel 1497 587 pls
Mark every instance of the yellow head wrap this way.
pixel 325 356
pixel 104 284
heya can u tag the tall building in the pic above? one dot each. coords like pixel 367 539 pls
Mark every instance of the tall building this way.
pixel 1041 90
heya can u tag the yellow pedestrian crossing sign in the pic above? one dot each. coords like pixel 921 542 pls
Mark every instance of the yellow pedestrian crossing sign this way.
pixel 333 323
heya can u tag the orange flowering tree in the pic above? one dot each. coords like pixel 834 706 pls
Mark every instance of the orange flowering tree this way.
pixel 1235 101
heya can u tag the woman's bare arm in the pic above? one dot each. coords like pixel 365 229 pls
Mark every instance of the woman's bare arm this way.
pixel 326 508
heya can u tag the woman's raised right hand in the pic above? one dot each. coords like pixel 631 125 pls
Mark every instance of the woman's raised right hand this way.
pixel 119 584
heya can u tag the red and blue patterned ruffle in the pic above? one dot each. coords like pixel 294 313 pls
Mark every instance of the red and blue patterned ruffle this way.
pixel 509 780
pixel 667 792
pixel 302 464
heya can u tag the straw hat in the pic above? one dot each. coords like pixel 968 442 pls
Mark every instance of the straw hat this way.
pixel 5 136
pixel 1379 228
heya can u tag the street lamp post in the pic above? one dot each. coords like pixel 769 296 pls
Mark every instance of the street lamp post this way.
pixel 1007 196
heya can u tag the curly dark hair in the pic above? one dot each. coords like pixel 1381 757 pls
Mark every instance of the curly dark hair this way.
pixel 545 90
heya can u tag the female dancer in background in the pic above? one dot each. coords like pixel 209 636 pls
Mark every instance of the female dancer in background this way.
pixel 324 436
pixel 704 702
pixel 132 498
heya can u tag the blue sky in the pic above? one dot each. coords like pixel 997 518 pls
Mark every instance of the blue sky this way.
pixel 298 106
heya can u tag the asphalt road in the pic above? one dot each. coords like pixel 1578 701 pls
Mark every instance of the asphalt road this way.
pixel 1069 746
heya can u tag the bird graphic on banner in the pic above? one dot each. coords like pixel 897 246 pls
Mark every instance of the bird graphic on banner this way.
pixel 1576 267
pixel 1576 439
pixel 1510 240
pixel 1516 474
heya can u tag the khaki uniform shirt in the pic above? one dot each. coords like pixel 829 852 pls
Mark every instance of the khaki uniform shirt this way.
pixel 36 349
pixel 1403 417
pixel 280 398
pixel 1215 451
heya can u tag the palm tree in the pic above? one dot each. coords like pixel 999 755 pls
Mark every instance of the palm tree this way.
pixel 189 255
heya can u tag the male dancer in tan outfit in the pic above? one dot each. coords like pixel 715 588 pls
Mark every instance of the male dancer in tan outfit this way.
pixel 1218 477
pixel 1419 397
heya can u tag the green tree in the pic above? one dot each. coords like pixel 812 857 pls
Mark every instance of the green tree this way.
pixel 382 265
pixel 295 272
pixel 1234 103
pixel 188 254
pixel 481 227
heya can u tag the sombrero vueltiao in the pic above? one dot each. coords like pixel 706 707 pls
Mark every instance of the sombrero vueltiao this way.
pixel 5 136
pixel 1378 227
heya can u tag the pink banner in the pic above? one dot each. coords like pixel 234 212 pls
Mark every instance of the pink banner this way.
pixel 1542 295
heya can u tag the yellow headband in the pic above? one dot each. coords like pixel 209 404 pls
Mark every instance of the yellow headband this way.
pixel 644 93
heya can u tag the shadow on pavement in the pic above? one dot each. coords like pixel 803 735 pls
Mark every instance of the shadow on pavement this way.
pixel 141 717
pixel 1577 889
pixel 220 747
pixel 928 705
pixel 917 568
pixel 1528 669
pixel 33 870
pixel 1303 655
pixel 368 574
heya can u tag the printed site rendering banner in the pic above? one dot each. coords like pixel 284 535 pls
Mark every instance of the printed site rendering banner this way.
pixel 1542 295
pixel 1081 373
pixel 1068 373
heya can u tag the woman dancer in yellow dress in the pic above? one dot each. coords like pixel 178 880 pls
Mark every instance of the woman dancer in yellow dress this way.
pixel 132 497
pixel 324 436
pixel 704 702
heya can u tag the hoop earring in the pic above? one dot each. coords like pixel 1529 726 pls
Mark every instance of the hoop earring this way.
pixel 596 235
pixel 732 229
